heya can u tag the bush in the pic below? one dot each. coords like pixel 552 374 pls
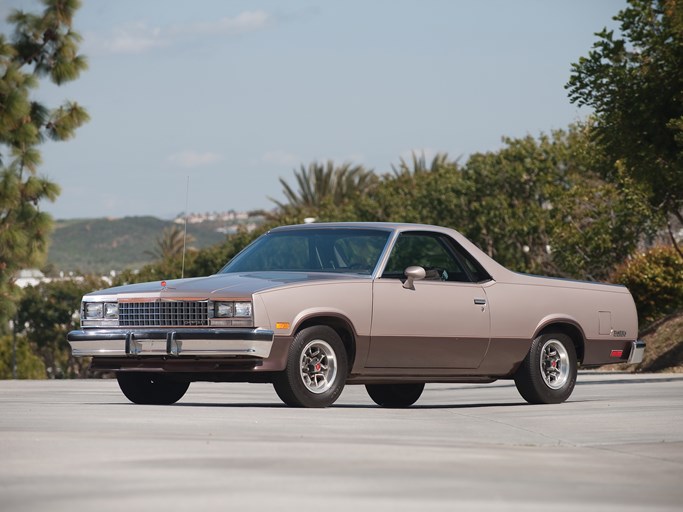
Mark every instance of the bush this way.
pixel 29 366
pixel 655 279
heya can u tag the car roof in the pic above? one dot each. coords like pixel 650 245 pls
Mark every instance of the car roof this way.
pixel 495 269
pixel 400 226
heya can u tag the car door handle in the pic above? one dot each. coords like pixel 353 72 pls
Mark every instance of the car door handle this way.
pixel 480 302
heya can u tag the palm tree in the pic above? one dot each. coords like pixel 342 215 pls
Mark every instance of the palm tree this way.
pixel 419 164
pixel 171 243
pixel 321 183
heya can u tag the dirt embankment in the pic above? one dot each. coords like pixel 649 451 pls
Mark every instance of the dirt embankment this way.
pixel 664 351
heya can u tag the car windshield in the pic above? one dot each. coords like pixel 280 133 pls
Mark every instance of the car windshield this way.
pixel 313 250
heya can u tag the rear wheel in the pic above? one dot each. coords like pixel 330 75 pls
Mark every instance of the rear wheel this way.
pixel 395 395
pixel 316 369
pixel 151 388
pixel 548 373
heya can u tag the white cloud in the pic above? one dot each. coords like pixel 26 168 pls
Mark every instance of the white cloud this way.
pixel 280 158
pixel 193 159
pixel 134 38
pixel 247 21
pixel 138 37
pixel 131 38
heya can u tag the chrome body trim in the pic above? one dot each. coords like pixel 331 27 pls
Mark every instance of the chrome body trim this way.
pixel 171 342
pixel 637 352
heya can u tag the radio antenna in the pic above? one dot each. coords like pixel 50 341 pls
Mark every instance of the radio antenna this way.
pixel 187 202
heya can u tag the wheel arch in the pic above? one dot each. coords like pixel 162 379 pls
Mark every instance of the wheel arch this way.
pixel 340 324
pixel 569 328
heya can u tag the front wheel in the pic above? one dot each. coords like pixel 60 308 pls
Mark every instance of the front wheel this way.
pixel 548 373
pixel 395 395
pixel 151 388
pixel 316 369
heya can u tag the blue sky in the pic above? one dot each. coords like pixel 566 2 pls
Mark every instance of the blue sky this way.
pixel 236 94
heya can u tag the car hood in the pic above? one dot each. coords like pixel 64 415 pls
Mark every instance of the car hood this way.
pixel 240 285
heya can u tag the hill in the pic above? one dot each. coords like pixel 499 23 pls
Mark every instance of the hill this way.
pixel 105 244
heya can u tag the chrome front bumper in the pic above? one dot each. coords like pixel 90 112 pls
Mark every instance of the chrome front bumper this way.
pixel 171 342
pixel 637 352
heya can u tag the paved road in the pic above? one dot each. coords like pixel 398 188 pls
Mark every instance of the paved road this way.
pixel 79 446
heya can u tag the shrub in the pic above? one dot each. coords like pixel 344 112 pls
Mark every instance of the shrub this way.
pixel 655 279
pixel 29 365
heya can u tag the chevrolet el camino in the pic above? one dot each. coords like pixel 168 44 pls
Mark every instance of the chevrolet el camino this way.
pixel 314 307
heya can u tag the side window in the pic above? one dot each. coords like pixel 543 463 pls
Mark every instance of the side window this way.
pixel 430 251
pixel 358 252
pixel 474 268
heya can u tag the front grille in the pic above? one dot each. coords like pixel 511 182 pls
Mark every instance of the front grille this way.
pixel 166 313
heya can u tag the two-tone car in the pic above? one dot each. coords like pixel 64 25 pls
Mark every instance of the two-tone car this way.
pixel 314 307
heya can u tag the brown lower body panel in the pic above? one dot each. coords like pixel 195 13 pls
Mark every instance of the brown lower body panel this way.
pixel 607 351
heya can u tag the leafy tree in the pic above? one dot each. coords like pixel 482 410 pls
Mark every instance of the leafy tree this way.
pixel 46 313
pixel 536 205
pixel 540 206
pixel 28 365
pixel 634 82
pixel 42 45
pixel 420 193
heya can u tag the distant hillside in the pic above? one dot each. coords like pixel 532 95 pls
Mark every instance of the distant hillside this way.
pixel 101 245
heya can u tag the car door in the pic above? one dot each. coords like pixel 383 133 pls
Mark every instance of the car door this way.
pixel 443 321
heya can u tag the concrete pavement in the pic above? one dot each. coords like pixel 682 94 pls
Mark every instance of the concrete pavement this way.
pixel 617 445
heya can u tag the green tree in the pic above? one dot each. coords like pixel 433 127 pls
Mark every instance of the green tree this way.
pixel 418 164
pixel 536 205
pixel 42 45
pixel 634 83
pixel 323 187
pixel 46 313
pixel 172 243
pixel 541 206
pixel 417 192
pixel 28 365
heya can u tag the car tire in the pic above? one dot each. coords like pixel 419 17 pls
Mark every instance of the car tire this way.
pixel 316 369
pixel 151 388
pixel 395 395
pixel 548 373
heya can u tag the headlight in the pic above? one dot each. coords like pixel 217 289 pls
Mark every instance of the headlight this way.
pixel 111 310
pixel 98 310
pixel 232 309
pixel 93 309
pixel 243 309
pixel 224 309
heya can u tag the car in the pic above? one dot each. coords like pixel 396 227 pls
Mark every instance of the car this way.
pixel 311 308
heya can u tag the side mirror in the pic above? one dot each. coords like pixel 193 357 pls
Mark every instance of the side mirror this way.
pixel 412 274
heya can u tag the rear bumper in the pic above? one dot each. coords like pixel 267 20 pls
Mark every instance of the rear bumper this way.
pixel 637 352
pixel 171 342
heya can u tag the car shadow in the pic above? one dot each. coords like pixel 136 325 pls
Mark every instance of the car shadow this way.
pixel 347 406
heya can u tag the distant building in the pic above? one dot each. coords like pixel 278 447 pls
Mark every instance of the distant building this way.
pixel 231 218
pixel 34 277
pixel 31 277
